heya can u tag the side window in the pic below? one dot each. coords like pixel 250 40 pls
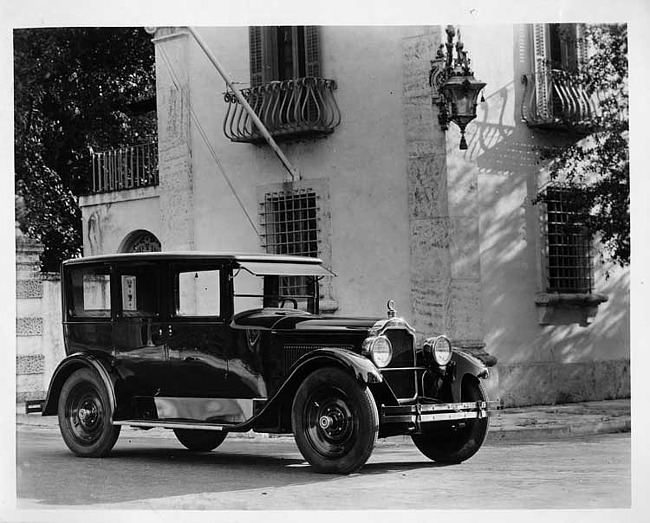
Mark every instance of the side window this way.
pixel 249 291
pixel 197 293
pixel 139 289
pixel 90 293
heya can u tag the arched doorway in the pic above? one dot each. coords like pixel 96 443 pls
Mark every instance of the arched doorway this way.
pixel 140 241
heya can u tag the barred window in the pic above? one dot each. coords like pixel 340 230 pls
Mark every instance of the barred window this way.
pixel 290 225
pixel 568 243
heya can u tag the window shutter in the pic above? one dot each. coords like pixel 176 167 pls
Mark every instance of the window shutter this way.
pixel 255 49
pixel 541 75
pixel 581 45
pixel 312 50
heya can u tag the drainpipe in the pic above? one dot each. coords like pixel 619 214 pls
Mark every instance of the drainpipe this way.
pixel 293 172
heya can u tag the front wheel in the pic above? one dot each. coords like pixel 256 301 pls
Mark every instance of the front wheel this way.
pixel 461 440
pixel 335 421
pixel 200 440
pixel 85 415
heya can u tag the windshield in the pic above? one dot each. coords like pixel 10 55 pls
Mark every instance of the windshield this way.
pixel 292 292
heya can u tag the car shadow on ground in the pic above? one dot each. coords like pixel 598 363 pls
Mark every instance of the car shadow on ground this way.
pixel 132 474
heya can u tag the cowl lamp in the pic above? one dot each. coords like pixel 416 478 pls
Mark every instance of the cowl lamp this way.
pixel 455 90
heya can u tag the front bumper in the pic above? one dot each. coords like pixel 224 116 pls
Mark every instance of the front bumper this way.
pixel 419 413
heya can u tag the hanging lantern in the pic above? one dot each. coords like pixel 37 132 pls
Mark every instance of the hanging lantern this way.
pixel 455 88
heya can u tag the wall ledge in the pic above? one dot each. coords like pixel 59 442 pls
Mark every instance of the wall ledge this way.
pixel 567 308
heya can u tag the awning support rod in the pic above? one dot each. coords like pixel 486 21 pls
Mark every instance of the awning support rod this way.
pixel 293 172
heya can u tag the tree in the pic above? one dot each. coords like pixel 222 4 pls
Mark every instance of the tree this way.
pixel 598 165
pixel 73 90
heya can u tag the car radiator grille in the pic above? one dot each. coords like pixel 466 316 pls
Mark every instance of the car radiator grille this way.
pixel 292 353
pixel 401 381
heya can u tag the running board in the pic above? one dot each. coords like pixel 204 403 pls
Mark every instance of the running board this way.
pixel 166 424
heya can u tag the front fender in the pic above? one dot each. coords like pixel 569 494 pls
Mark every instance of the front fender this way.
pixel 66 368
pixel 361 367
pixel 466 364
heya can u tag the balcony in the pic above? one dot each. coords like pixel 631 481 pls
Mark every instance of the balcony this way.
pixel 298 108
pixel 126 168
pixel 555 99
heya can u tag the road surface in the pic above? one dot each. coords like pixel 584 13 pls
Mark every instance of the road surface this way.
pixel 155 472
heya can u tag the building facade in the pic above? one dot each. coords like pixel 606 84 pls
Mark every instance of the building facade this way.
pixel 380 192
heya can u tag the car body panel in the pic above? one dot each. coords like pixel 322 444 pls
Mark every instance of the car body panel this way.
pixel 164 365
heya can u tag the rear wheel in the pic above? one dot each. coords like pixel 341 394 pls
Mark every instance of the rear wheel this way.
pixel 85 415
pixel 335 421
pixel 461 440
pixel 200 440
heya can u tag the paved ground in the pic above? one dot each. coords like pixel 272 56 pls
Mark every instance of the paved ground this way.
pixel 567 456
pixel 156 473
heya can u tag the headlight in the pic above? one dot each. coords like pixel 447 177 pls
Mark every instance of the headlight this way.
pixel 437 350
pixel 379 350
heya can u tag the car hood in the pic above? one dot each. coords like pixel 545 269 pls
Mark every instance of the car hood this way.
pixel 289 319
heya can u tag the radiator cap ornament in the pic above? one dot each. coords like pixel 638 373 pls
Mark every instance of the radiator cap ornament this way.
pixel 391 309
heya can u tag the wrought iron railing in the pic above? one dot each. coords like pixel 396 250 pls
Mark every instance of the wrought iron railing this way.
pixel 557 98
pixel 292 108
pixel 125 168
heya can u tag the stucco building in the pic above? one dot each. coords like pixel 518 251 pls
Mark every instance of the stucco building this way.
pixel 383 194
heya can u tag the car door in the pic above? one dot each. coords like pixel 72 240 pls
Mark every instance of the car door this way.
pixel 140 327
pixel 198 337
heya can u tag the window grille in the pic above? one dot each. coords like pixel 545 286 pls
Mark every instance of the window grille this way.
pixel 143 242
pixel 290 225
pixel 568 244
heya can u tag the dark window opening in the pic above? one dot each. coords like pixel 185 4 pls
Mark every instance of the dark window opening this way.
pixel 563 47
pixel 283 53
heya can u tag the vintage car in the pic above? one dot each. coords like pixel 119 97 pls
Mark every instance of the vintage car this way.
pixel 206 344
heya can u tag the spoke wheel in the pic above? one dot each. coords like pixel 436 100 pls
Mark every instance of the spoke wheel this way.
pixel 84 415
pixel 460 441
pixel 335 421
pixel 200 440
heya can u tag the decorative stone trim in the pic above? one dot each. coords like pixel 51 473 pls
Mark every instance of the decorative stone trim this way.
pixel 30 364
pixel 560 309
pixel 29 289
pixel 29 326
pixel 140 193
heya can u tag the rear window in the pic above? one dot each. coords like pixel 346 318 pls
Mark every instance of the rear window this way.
pixel 90 293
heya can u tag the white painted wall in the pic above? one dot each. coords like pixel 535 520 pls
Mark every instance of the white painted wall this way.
pixel 116 215
pixel 502 148
pixel 363 162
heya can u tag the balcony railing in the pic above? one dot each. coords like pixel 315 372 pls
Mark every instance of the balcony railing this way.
pixel 556 99
pixel 301 107
pixel 125 168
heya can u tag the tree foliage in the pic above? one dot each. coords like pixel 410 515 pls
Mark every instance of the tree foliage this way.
pixel 73 90
pixel 598 165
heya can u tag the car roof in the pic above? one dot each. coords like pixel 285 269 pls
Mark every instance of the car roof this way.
pixel 195 256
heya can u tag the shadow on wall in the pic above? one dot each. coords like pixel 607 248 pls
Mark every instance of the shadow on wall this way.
pixel 536 363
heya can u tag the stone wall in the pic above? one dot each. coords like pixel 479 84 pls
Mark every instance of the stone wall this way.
pixel 443 210
pixel 39 341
